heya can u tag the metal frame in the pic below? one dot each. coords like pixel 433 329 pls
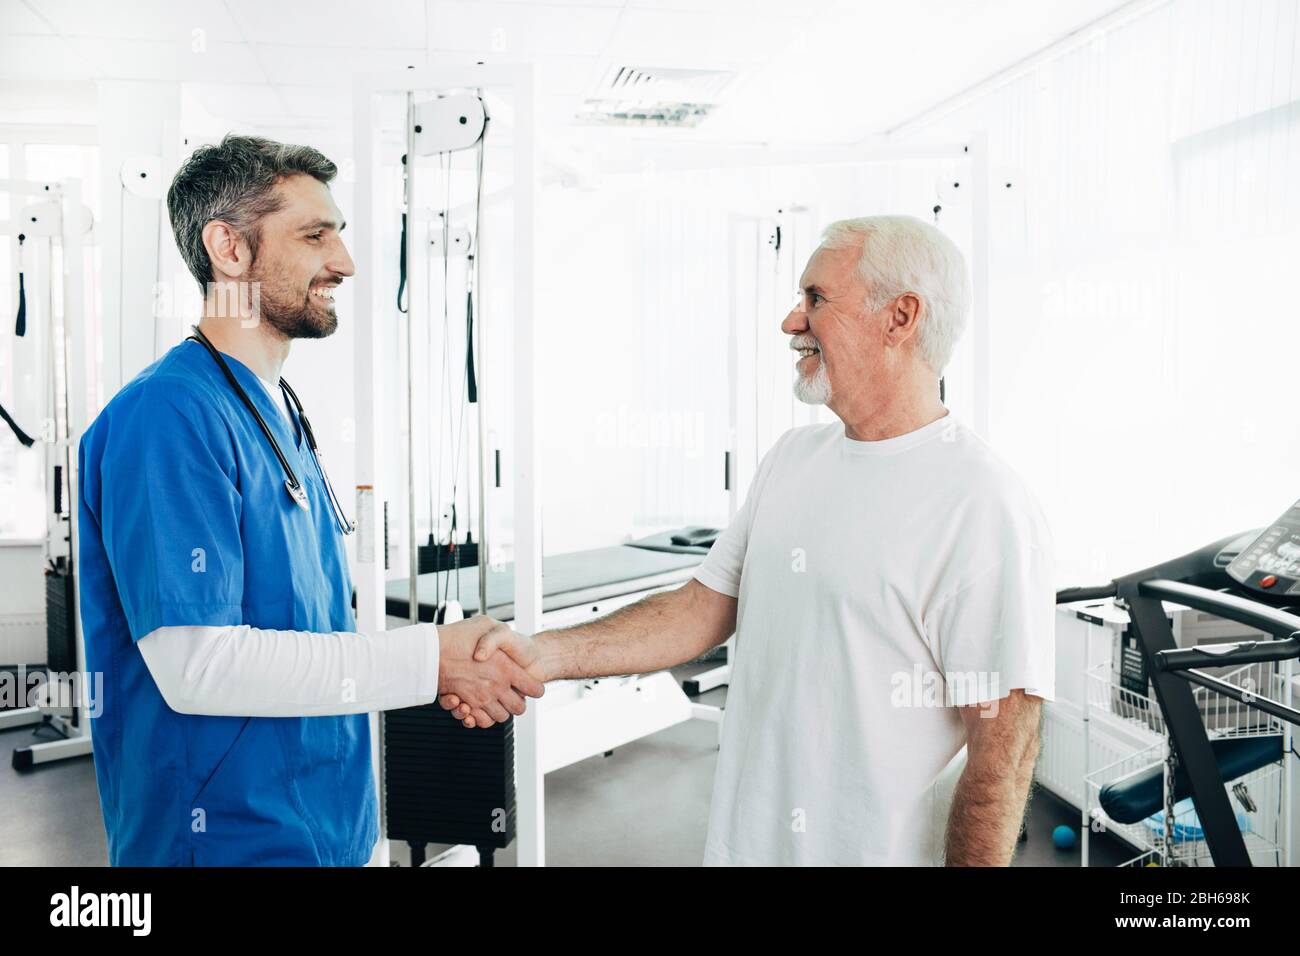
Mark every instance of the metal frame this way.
pixel 517 81
pixel 1191 744
pixel 73 223
pixel 1173 672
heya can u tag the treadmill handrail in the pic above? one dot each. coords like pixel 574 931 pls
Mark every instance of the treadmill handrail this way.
pixel 1231 654
pixel 1250 699
pixel 1100 592
pixel 1224 604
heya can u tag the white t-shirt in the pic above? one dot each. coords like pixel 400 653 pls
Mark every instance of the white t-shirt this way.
pixel 880 584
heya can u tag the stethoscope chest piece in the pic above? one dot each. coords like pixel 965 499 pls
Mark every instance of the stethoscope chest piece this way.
pixel 298 493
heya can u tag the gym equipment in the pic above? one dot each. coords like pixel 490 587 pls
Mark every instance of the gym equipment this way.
pixel 696 537
pixel 423 123
pixel 54 213
pixel 1135 797
pixel 1252 579
pixel 20 321
pixel 444 782
pixel 569 580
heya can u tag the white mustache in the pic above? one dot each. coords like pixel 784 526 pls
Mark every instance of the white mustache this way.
pixel 804 342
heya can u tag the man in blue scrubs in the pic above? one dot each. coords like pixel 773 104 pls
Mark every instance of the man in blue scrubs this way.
pixel 216 603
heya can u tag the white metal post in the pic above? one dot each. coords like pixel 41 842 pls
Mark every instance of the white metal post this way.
pixel 40 288
pixel 980 235
pixel 734 228
pixel 368 570
pixel 1086 820
pixel 408 254
pixel 529 780
pixel 80 388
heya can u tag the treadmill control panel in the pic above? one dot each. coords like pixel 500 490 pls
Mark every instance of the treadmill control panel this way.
pixel 1271 563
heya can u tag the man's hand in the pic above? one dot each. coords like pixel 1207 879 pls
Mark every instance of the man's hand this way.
pixel 498 643
pixel 659 631
pixel 489 686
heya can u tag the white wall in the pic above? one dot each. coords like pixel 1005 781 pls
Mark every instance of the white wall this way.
pixel 632 376
pixel 22 604
pixel 1144 316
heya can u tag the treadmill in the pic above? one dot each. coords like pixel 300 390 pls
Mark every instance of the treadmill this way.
pixel 1252 579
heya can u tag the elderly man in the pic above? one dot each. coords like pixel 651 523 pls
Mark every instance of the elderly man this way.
pixel 889 581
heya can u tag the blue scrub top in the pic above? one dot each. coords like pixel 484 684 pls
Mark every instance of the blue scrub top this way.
pixel 185 521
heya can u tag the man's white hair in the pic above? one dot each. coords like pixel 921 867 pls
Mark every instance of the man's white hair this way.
pixel 903 254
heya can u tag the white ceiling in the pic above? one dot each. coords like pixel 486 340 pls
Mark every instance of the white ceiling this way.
pixel 807 70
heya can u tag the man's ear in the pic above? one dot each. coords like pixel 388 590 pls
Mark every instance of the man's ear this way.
pixel 904 313
pixel 227 250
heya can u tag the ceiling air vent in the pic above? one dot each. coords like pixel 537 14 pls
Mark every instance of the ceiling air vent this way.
pixel 645 96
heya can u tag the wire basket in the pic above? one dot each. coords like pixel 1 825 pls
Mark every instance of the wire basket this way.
pixel 1261 829
pixel 1134 834
pixel 1223 715
pixel 1256 797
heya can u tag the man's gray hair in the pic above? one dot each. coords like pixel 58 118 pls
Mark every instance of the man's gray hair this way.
pixel 903 254
pixel 234 182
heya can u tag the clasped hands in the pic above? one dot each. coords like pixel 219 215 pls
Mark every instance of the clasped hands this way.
pixel 485 670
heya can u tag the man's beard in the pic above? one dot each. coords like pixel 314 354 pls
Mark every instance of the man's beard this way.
pixel 814 389
pixel 292 314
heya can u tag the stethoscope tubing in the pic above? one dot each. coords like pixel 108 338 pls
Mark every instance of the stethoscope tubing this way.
pixel 292 484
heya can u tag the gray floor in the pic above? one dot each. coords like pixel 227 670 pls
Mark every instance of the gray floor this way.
pixel 644 805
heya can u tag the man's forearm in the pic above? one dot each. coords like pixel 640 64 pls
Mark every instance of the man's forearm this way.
pixel 256 672
pixel 662 630
pixel 988 809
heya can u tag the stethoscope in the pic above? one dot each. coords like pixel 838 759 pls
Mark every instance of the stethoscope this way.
pixel 291 483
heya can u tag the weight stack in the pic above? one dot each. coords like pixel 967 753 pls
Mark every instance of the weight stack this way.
pixel 60 624
pixel 446 783
pixel 431 558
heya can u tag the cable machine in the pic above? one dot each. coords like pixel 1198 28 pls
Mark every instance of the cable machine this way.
pixel 444 117
pixel 50 231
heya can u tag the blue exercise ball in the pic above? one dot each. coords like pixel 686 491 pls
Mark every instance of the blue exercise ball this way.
pixel 1064 837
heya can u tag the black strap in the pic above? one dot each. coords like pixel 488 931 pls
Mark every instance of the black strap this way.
pixel 471 383
pixel 20 326
pixel 401 266
pixel 248 402
pixel 21 435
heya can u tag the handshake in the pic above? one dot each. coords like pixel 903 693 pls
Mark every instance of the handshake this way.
pixel 485 670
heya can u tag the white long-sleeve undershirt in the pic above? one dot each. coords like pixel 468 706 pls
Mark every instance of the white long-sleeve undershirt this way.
pixel 244 671
pixel 278 399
